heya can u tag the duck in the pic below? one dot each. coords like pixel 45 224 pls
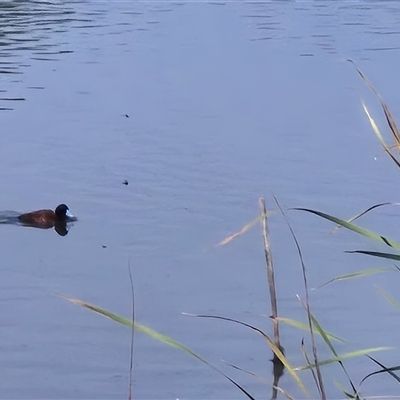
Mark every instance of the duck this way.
pixel 47 218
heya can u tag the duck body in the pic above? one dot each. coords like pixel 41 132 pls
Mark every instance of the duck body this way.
pixel 47 218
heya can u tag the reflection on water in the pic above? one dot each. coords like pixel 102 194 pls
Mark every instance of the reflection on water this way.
pixel 27 33
pixel 325 27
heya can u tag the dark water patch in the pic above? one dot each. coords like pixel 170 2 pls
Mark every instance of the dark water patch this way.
pixel 382 48
pixel 354 23
pixel 90 26
pixel 44 59
pixel 384 33
pixel 7 71
pixel 132 13
pixel 54 52
pixel 61 21
pixel 162 10
pixel 257 16
pixel 262 38
pixel 17 40
pixel 29 48
pixel 12 99
pixel 267 28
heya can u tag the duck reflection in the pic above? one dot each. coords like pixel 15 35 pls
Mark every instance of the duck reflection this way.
pixel 60 219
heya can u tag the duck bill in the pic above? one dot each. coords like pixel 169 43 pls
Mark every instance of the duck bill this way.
pixel 69 214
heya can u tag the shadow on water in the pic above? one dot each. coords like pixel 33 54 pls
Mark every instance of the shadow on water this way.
pixel 11 218
pixel 29 31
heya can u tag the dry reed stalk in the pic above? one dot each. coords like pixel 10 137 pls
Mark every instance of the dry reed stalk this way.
pixel 270 271
pixel 278 366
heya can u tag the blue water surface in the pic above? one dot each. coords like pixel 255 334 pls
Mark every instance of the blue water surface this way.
pixel 201 108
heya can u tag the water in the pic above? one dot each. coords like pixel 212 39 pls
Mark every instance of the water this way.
pixel 201 108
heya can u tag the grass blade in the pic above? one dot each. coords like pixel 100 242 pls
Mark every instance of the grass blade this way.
pixel 389 118
pixel 254 375
pixel 305 327
pixel 132 333
pixel 358 274
pixel 241 232
pixel 343 357
pixel 389 298
pixel 389 256
pixel 389 370
pixel 319 381
pixel 331 347
pixel 352 227
pixel 364 212
pixel 379 136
